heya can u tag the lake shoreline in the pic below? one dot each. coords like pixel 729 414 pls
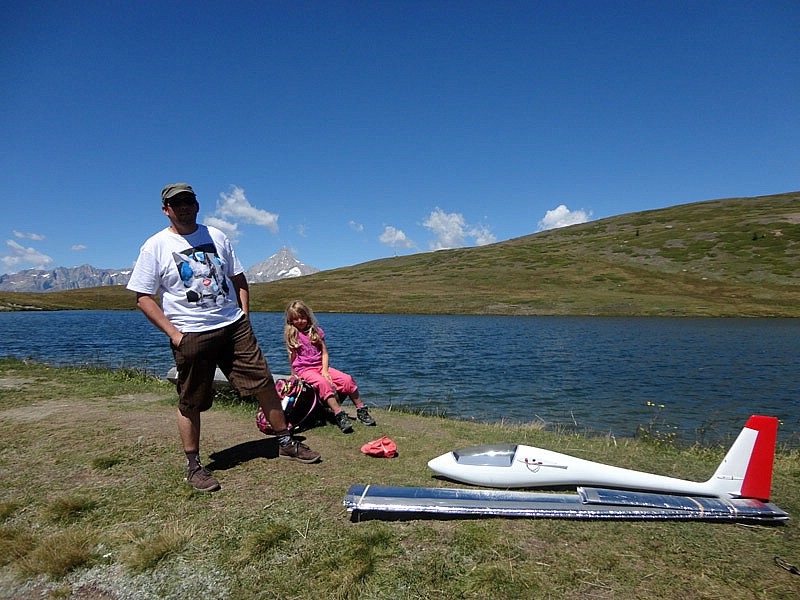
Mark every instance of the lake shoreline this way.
pixel 697 380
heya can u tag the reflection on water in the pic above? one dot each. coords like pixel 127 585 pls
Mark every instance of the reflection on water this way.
pixel 603 374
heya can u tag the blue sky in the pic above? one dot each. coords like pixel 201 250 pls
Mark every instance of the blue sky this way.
pixel 351 131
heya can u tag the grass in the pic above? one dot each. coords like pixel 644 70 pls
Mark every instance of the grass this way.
pixel 57 554
pixel 145 553
pixel 737 257
pixel 93 506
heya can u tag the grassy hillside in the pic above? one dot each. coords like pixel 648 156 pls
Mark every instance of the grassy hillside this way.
pixel 97 298
pixel 731 257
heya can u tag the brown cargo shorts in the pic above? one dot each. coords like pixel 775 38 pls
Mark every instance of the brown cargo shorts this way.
pixel 234 349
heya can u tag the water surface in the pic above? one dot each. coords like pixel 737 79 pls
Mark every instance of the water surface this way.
pixel 601 374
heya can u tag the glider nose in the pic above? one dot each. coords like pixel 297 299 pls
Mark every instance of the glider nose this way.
pixel 442 464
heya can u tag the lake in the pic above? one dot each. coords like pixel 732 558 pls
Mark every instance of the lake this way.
pixel 702 376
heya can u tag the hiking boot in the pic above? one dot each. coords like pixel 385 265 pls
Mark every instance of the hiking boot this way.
pixel 343 422
pixel 364 416
pixel 297 451
pixel 201 479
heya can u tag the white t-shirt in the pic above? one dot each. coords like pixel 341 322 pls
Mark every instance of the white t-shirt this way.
pixel 193 274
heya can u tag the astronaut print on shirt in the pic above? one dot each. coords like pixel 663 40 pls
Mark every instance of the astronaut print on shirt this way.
pixel 203 277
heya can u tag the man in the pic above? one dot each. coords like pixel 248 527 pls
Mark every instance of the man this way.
pixel 205 303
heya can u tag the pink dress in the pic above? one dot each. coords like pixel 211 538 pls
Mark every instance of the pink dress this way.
pixel 307 364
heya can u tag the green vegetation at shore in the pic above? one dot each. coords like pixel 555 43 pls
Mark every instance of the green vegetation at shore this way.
pixel 92 506
pixel 730 258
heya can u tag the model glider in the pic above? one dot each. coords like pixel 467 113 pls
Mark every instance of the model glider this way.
pixel 739 490
pixel 745 472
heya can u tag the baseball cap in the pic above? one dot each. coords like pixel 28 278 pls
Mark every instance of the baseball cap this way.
pixel 173 189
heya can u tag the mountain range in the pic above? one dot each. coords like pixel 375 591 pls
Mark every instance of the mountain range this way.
pixel 278 266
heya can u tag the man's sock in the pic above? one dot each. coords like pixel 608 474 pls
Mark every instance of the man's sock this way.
pixel 192 458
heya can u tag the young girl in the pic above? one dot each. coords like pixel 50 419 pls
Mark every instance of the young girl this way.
pixel 308 356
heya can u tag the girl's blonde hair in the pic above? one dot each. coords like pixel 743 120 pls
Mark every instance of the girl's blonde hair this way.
pixel 298 308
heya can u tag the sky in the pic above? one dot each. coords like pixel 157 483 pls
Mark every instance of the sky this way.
pixel 356 130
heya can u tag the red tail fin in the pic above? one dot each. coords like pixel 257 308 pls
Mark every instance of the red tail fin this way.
pixel 758 478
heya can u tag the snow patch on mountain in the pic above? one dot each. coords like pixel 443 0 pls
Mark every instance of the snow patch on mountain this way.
pixel 278 266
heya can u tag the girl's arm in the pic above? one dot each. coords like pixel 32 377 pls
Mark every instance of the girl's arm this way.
pixel 324 349
pixel 292 356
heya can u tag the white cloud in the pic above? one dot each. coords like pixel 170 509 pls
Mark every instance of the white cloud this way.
pixel 24 257
pixel 237 208
pixel 482 235
pixel 355 226
pixel 451 231
pixel 395 238
pixel 77 247
pixel 37 237
pixel 561 216
pixel 448 229
pixel 228 228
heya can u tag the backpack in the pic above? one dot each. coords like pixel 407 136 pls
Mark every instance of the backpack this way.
pixel 299 401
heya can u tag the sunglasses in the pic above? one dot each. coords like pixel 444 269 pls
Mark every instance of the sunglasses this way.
pixel 178 202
